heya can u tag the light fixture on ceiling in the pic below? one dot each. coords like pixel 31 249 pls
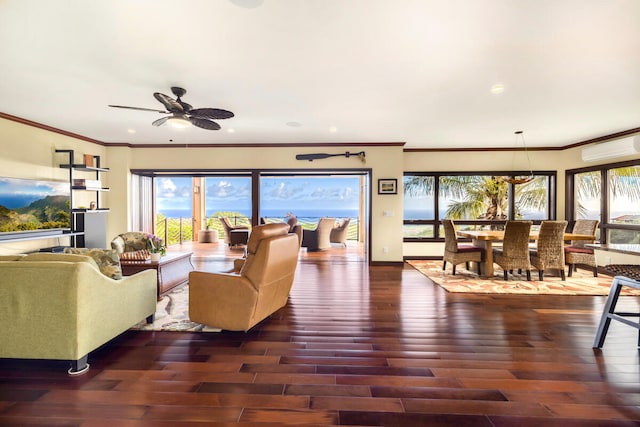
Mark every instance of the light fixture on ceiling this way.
pixel 177 121
pixel 611 149
pixel 521 179
pixel 497 89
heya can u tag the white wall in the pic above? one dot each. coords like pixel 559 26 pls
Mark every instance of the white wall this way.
pixel 446 161
pixel 384 161
pixel 28 152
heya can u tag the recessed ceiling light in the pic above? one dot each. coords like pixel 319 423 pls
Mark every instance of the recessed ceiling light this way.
pixel 294 124
pixel 333 129
pixel 231 130
pixel 497 89
pixel 131 130
pixel 249 4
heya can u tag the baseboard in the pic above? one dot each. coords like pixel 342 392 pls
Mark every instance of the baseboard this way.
pixel 386 263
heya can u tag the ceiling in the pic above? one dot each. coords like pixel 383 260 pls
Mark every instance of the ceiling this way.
pixel 327 71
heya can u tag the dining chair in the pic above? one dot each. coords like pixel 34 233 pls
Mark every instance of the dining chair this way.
pixel 549 250
pixel 456 253
pixel 577 252
pixel 514 253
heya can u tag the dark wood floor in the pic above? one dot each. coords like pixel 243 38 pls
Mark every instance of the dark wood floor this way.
pixel 359 346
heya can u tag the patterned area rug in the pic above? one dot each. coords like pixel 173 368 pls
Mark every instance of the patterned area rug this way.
pixel 172 314
pixel 581 283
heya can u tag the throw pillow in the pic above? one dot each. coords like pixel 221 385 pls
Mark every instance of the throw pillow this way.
pixel 107 260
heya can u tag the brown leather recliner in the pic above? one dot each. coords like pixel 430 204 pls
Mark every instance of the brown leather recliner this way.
pixel 238 301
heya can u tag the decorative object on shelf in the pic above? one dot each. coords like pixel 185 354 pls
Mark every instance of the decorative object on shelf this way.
pixel 155 245
pixel 388 186
pixel 522 179
pixel 155 256
pixel 88 160
pixel 317 156
pixel 92 205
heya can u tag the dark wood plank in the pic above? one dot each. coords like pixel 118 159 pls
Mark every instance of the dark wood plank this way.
pixel 356 345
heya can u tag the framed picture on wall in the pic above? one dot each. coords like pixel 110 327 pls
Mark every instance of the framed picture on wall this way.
pixel 388 186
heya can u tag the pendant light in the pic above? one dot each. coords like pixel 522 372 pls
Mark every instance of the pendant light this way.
pixel 521 179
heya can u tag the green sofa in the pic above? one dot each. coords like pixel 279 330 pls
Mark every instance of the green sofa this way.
pixel 61 306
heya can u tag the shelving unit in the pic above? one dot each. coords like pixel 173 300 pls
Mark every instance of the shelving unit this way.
pixel 88 225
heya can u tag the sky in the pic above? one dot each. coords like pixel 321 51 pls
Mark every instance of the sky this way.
pixel 282 193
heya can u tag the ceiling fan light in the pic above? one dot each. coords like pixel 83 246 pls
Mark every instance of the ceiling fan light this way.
pixel 178 122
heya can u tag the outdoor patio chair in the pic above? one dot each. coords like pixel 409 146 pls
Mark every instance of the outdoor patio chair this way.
pixel 318 239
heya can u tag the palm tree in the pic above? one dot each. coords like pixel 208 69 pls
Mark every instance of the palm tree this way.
pixel 481 196
pixel 486 197
pixel 622 182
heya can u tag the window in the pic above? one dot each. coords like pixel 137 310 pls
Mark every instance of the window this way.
pixel 609 193
pixel 474 200
pixel 419 206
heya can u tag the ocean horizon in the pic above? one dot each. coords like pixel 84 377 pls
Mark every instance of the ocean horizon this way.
pixel 270 213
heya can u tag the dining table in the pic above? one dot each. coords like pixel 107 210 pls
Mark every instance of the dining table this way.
pixel 486 238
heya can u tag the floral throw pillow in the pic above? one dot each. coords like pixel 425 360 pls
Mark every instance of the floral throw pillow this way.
pixel 107 260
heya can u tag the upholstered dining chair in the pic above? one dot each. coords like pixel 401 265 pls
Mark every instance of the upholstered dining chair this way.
pixel 577 252
pixel 514 253
pixel 456 253
pixel 549 250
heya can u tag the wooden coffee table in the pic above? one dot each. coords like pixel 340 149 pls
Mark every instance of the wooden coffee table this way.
pixel 173 270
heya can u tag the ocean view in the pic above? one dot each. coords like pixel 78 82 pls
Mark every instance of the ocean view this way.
pixel 271 213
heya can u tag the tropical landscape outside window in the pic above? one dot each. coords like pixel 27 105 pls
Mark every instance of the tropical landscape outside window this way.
pixel 476 200
pixel 611 194
pixel 307 197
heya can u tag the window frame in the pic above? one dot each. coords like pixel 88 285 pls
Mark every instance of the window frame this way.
pixel 436 222
pixel 605 225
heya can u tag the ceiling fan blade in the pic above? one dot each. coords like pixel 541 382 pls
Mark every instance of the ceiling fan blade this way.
pixel 170 104
pixel 204 123
pixel 139 108
pixel 211 113
pixel 161 121
pixel 186 107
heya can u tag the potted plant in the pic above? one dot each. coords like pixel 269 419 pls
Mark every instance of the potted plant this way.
pixel 156 247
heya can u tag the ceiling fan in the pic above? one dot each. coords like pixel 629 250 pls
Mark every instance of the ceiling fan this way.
pixel 183 114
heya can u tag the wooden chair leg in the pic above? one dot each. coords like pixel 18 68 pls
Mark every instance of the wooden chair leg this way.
pixel 444 265
pixel 506 277
pixel 529 275
pixel 454 269
pixel 570 269
pixel 478 267
pixel 562 277
pixel 466 265
pixel 541 275
pixel 595 271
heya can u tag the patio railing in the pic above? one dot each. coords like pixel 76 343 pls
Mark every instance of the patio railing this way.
pixel 179 230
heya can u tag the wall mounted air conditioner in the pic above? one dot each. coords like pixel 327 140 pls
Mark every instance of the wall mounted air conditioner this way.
pixel 611 149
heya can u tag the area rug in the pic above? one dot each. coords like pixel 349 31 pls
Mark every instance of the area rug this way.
pixel 172 314
pixel 582 282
